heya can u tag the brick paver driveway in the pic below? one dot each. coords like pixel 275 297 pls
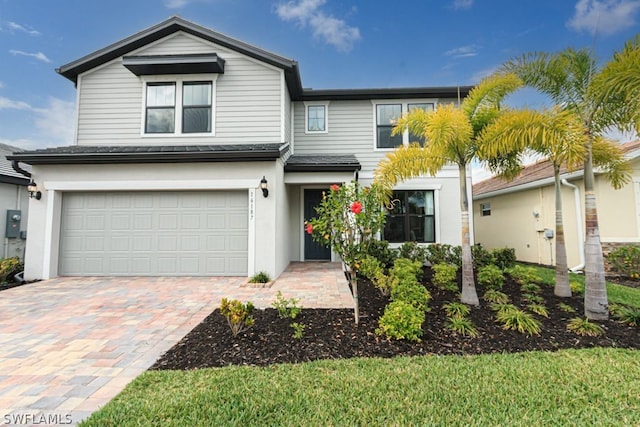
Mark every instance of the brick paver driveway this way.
pixel 69 345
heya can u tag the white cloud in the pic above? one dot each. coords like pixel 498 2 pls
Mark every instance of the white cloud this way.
pixel 175 4
pixel 604 16
pixel 38 55
pixel 57 121
pixel 1 85
pixel 333 31
pixel 463 51
pixel 462 4
pixel 17 27
pixel 10 104
pixel 481 74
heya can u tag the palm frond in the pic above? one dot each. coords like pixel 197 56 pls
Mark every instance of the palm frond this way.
pixel 484 100
pixel 608 156
pixel 406 162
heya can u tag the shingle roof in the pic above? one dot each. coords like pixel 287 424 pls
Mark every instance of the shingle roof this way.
pixel 7 173
pixel 322 163
pixel 536 172
pixel 82 154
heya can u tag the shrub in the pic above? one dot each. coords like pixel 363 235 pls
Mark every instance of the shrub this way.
pixel 298 329
pixel 504 257
pixel 524 275
pixel 261 277
pixel 499 308
pixel 481 256
pixel 411 292
pixel 441 253
pixel 626 260
pixel 518 320
pixel 371 268
pixel 576 287
pixel 530 288
pixel 380 250
pixel 496 296
pixel 401 320
pixel 462 326
pixel 9 267
pixel 629 315
pixel 491 276
pixel 404 268
pixel 539 309
pixel 582 326
pixel 413 251
pixel 287 308
pixel 456 309
pixel 566 308
pixel 532 298
pixel 444 276
pixel 238 315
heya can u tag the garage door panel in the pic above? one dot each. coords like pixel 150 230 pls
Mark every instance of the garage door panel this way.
pixel 154 233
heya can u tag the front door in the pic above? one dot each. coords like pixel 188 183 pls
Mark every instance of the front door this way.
pixel 312 250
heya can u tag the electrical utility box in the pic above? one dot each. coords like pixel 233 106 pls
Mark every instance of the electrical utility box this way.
pixel 13 224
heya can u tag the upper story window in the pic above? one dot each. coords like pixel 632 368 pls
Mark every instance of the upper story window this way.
pixel 179 107
pixel 316 118
pixel 412 217
pixel 485 209
pixel 386 116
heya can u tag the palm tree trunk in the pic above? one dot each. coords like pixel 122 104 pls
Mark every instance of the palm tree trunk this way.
pixel 562 288
pixel 469 294
pixel 596 304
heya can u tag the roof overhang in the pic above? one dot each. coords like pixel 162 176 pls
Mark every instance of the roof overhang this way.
pixel 456 92
pixel 322 163
pixel 151 154
pixel 528 186
pixel 201 63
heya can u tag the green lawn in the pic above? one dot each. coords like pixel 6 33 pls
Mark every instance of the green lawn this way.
pixel 572 387
pixel 567 388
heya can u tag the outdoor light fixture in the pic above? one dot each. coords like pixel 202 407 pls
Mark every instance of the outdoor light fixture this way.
pixel 263 187
pixel 32 188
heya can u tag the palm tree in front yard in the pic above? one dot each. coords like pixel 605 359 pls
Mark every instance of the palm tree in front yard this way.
pixel 559 136
pixel 450 133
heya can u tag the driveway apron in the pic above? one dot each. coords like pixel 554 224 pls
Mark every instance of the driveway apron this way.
pixel 69 345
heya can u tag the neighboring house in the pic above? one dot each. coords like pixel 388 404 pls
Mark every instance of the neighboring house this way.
pixel 178 128
pixel 14 206
pixel 521 214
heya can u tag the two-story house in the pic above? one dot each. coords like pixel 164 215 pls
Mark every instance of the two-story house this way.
pixel 198 154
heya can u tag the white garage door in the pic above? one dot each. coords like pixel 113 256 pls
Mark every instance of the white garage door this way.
pixel 184 233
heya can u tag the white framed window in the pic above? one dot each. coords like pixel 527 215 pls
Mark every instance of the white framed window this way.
pixel 178 106
pixel 386 113
pixel 411 217
pixel 316 118
pixel 485 209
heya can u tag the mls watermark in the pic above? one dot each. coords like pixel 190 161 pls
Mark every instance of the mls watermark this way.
pixel 45 419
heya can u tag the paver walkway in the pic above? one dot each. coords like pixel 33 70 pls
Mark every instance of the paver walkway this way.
pixel 69 345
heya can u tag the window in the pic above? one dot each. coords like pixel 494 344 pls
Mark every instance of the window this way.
pixel 485 209
pixel 421 106
pixel 180 107
pixel 316 118
pixel 386 115
pixel 411 218
pixel 196 104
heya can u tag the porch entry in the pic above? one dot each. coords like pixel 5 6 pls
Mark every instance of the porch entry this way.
pixel 312 250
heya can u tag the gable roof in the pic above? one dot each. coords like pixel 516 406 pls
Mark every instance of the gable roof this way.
pixel 170 26
pixel 7 174
pixel 538 175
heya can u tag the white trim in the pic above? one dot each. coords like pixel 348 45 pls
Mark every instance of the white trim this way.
pixel 444 173
pixel 292 114
pixel 179 80
pixel 48 234
pixel 324 104
pixel 317 177
pixel 77 115
pixel 132 185
pixel 438 214
pixel 283 100
pixel 251 234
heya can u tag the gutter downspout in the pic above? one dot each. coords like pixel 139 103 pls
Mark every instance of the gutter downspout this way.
pixel 576 193
pixel 15 164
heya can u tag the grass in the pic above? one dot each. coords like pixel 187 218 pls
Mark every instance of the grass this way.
pixel 525 389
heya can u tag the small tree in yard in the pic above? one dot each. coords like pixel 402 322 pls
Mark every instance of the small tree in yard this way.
pixel 348 219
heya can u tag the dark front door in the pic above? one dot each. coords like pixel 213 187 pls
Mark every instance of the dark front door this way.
pixel 312 250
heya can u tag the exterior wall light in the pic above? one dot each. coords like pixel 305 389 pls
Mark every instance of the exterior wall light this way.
pixel 32 188
pixel 263 187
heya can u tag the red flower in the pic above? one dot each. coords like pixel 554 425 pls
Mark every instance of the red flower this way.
pixel 309 228
pixel 356 207
pixel 335 187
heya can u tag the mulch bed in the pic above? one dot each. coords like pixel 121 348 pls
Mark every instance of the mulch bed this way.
pixel 332 334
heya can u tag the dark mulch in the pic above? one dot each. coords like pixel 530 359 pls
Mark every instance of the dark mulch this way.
pixel 332 334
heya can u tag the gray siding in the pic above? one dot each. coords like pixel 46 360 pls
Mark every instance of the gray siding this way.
pixel 247 100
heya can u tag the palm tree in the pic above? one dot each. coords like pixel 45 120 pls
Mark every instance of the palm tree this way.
pixel 559 136
pixel 570 78
pixel 450 133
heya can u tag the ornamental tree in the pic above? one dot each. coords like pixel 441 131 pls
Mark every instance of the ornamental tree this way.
pixel 348 219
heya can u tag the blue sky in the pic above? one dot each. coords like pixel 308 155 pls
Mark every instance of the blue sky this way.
pixel 338 44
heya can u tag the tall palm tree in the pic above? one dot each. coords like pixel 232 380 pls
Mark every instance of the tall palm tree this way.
pixel 450 133
pixel 559 136
pixel 568 78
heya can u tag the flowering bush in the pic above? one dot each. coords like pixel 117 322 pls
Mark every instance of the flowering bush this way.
pixel 348 220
